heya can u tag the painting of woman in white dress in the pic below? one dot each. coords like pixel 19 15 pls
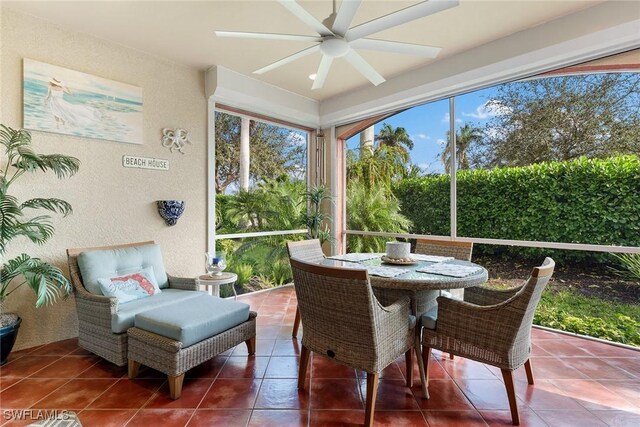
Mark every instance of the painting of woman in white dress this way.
pixel 69 102
pixel 65 113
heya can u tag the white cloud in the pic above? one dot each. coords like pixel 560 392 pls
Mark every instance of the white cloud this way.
pixel 295 138
pixel 489 109
pixel 446 117
pixel 421 136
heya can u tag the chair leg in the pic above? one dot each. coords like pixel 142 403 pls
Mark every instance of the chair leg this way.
pixel 296 324
pixel 426 357
pixel 451 356
pixel 304 364
pixel 511 394
pixel 133 368
pixel 251 345
pixel 372 391
pixel 175 386
pixel 408 358
pixel 527 368
pixel 423 378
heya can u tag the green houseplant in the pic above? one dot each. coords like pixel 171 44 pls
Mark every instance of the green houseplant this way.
pixel 45 280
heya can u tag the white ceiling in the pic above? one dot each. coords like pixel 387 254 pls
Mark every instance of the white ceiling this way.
pixel 183 32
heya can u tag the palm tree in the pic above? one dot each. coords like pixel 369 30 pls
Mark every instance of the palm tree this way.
pixel 372 209
pixel 397 138
pixel 465 136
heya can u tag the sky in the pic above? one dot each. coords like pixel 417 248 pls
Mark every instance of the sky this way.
pixel 428 125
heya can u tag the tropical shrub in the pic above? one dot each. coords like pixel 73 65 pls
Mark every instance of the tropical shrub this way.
pixel 375 209
pixel 595 201
pixel 629 266
pixel 244 272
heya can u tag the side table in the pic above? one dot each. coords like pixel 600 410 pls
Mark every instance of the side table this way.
pixel 212 283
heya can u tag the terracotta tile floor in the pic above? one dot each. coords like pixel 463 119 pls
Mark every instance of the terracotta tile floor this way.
pixel 578 383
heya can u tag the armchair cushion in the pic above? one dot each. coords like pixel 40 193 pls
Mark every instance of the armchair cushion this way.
pixel 116 262
pixel 123 319
pixel 208 316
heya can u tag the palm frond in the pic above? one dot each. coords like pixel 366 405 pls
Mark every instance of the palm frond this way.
pixel 38 229
pixel 47 281
pixel 63 166
pixel 12 139
pixel 53 205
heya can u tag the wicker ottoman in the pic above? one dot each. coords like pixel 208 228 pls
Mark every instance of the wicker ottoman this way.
pixel 183 335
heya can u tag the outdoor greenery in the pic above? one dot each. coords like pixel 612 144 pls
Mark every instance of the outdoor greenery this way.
pixel 372 209
pixel 560 118
pixel 557 162
pixel 629 266
pixel 595 201
pixel 595 317
pixel 45 280
pixel 274 151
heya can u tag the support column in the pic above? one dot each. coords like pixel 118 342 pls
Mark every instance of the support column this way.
pixel 244 154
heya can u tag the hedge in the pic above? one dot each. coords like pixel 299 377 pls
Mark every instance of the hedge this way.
pixel 593 201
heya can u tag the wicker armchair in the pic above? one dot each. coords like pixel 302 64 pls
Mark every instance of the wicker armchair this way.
pixel 490 326
pixel 95 312
pixel 343 320
pixel 309 251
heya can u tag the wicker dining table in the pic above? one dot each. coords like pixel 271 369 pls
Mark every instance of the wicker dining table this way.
pixel 421 287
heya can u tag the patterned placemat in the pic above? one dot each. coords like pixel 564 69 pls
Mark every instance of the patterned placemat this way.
pixel 355 257
pixel 449 269
pixel 384 271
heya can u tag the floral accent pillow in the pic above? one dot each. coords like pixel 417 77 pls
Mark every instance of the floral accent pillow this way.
pixel 131 286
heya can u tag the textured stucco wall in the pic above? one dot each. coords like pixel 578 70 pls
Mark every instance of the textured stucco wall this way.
pixel 111 204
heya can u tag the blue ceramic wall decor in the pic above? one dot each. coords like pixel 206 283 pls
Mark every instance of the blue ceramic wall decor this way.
pixel 170 210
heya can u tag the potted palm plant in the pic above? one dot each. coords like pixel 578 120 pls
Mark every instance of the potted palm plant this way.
pixel 45 280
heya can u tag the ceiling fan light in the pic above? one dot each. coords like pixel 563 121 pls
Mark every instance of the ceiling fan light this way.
pixel 334 47
pixel 312 76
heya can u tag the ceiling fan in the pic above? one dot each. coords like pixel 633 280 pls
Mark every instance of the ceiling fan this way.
pixel 337 40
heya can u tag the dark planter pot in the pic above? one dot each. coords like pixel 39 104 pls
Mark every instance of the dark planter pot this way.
pixel 8 335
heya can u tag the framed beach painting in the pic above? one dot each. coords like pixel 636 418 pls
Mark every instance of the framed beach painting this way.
pixel 69 102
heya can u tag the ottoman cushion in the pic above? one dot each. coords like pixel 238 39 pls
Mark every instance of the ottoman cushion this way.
pixel 193 320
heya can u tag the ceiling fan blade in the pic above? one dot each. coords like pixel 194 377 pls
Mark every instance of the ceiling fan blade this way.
pixel 302 14
pixel 345 16
pixel 323 71
pixel 364 67
pixel 290 58
pixel 268 36
pixel 396 47
pixel 400 17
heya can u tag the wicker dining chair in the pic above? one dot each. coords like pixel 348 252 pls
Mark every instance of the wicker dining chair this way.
pixel 490 326
pixel 344 321
pixel 305 250
pixel 458 250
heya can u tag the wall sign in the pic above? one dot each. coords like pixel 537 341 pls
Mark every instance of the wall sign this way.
pixel 145 163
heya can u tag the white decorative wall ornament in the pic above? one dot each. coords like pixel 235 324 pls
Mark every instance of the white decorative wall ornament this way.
pixel 175 139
